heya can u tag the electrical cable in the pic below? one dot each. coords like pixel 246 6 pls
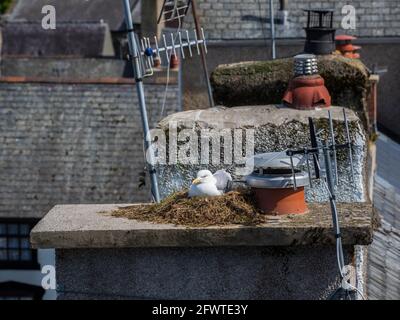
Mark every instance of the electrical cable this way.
pixel 358 291
pixel 168 73
pixel 338 242
pixel 339 248
pixel 180 22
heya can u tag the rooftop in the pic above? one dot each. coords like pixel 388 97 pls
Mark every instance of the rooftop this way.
pixel 77 11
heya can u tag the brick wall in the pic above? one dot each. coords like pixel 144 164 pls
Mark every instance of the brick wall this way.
pixel 70 143
pixel 224 19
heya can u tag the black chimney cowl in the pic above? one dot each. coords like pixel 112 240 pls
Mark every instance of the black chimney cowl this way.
pixel 320 34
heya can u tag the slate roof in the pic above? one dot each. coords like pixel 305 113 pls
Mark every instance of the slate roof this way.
pixel 28 39
pixel 384 253
pixel 78 11
pixel 73 143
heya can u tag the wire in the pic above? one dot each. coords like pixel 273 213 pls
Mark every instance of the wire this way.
pixel 338 240
pixel 358 291
pixel 168 72
pixel 339 250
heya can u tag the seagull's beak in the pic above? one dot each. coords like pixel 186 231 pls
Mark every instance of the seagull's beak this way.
pixel 196 181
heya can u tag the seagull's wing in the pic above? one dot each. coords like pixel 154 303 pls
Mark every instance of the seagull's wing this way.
pixel 203 190
pixel 209 189
pixel 223 178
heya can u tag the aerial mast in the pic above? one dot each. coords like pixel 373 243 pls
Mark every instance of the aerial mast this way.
pixel 135 57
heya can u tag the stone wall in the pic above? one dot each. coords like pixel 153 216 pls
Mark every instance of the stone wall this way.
pixel 299 273
pixel 100 256
pixel 255 130
pixel 73 143
pixel 240 19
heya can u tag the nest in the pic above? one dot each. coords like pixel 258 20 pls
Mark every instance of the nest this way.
pixel 235 207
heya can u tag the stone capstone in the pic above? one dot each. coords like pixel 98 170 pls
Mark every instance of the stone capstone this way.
pixel 265 82
pixel 93 226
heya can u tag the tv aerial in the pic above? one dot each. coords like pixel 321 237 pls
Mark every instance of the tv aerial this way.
pixel 173 10
pixel 142 54
pixel 170 45
pixel 323 154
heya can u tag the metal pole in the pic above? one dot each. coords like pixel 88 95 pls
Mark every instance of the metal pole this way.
pixel 134 52
pixel 202 54
pixel 272 23
pixel 332 199
pixel 346 124
pixel 332 133
pixel 314 144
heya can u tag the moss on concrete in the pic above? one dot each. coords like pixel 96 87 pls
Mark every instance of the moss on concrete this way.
pixel 264 82
pixel 251 83
pixel 5 5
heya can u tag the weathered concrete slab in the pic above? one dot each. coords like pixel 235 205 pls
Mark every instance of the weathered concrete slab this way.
pixel 264 82
pixel 254 116
pixel 275 128
pixel 92 226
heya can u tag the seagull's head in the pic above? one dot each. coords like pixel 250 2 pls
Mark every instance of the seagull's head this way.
pixel 204 176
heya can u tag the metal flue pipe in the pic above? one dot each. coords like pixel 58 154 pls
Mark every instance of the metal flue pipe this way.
pixel 202 54
pixel 272 23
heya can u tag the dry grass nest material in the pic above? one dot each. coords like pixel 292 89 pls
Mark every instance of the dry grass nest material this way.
pixel 235 207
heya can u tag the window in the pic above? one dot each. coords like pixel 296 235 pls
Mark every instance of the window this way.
pixel 15 248
pixel 20 291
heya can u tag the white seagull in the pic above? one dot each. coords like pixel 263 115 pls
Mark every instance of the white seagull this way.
pixel 206 184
